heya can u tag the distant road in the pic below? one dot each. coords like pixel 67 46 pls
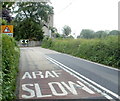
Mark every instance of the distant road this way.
pixel 101 79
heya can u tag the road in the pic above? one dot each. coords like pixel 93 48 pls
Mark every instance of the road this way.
pixel 47 74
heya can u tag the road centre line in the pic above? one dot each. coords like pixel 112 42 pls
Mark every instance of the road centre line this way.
pixel 72 71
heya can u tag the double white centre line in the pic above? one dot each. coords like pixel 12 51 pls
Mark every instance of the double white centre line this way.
pixel 85 80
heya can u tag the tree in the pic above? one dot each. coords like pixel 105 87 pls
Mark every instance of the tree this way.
pixel 30 19
pixel 87 33
pixel 6 10
pixel 54 32
pixel 114 32
pixel 100 34
pixel 28 30
pixel 70 36
pixel 78 36
pixel 53 29
pixel 66 30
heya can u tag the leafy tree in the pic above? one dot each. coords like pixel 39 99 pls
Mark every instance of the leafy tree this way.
pixel 6 10
pixel 70 36
pixel 38 12
pixel 56 35
pixel 114 32
pixel 28 30
pixel 87 33
pixel 54 32
pixel 53 29
pixel 66 30
pixel 100 34
pixel 30 19
pixel 78 36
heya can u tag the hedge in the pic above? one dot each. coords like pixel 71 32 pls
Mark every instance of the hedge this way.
pixel 104 51
pixel 10 61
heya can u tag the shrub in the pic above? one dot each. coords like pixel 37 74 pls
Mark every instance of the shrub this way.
pixel 47 42
pixel 10 60
pixel 104 50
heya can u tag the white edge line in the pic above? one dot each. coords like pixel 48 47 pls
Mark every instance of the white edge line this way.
pixel 110 92
pixel 90 61
pixel 91 86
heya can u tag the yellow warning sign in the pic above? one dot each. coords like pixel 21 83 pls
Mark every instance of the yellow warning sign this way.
pixel 7 29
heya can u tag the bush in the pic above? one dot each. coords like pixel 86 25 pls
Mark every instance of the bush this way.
pixel 10 60
pixel 47 42
pixel 104 51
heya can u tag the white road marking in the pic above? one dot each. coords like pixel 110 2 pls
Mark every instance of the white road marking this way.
pixel 80 85
pixel 38 91
pixel 40 74
pixel 48 74
pixel 26 75
pixel 37 73
pixel 25 88
pixel 92 62
pixel 70 71
pixel 63 86
pixel 63 93
pixel 56 74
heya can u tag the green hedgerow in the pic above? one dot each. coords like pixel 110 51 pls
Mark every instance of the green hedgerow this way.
pixel 10 60
pixel 104 50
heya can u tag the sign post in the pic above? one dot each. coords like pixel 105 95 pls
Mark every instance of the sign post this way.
pixel 7 29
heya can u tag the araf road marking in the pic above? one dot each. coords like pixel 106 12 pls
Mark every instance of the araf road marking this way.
pixel 72 72
pixel 39 74
pixel 27 75
pixel 64 87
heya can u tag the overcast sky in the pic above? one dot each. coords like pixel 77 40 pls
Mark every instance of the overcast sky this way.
pixel 86 14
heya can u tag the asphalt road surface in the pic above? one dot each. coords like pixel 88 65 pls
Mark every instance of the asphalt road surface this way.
pixel 47 74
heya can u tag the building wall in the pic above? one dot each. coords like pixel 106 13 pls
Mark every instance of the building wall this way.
pixel 46 30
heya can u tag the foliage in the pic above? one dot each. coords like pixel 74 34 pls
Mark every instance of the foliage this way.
pixel 87 33
pixel 7 5
pixel 30 19
pixel 10 59
pixel 6 10
pixel 90 34
pixel 56 35
pixel 66 30
pixel 70 36
pixel 47 42
pixel 28 30
pixel 3 22
pixel 104 50
pixel 0 68
pixel 53 29
pixel 114 32
pixel 100 34
pixel 54 32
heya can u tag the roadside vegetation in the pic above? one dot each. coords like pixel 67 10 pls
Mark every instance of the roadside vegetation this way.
pixel 101 50
pixel 10 61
